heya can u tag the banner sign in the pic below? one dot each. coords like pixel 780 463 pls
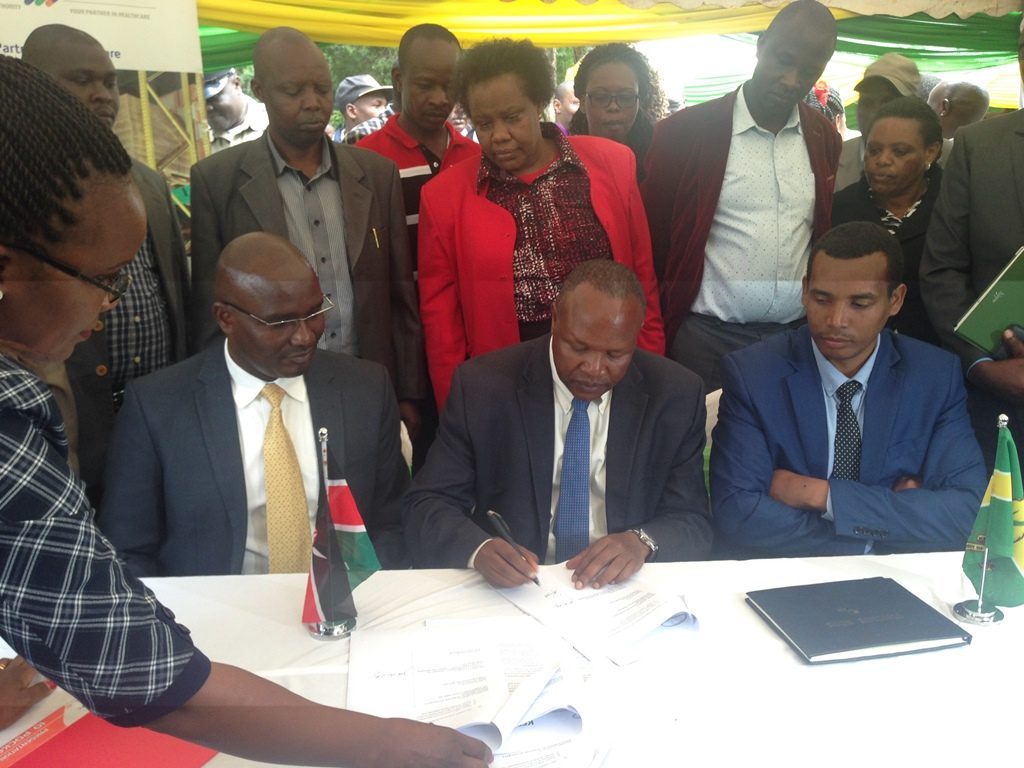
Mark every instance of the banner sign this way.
pixel 151 35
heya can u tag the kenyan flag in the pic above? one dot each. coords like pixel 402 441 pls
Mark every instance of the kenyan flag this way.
pixel 343 555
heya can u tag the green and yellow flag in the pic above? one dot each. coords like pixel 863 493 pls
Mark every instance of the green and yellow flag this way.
pixel 1000 529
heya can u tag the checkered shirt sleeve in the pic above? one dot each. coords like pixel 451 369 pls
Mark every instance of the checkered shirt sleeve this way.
pixel 66 602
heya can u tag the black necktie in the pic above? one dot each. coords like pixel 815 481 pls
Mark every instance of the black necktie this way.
pixel 846 465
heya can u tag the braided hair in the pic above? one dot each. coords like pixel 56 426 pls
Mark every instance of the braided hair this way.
pixel 652 98
pixel 49 144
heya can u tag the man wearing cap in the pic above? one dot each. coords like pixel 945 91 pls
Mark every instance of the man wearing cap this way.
pixel 888 78
pixel 340 205
pixel 360 98
pixel 232 116
pixel 736 189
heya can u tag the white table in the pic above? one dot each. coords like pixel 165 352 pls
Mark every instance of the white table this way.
pixel 734 694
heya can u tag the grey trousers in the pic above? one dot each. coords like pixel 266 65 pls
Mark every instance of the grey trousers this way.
pixel 702 341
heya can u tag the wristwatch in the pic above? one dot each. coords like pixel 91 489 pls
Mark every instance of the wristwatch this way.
pixel 648 541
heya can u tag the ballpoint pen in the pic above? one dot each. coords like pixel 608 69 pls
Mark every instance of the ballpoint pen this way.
pixel 506 533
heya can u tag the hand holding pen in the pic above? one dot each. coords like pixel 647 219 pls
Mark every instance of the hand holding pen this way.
pixel 502 561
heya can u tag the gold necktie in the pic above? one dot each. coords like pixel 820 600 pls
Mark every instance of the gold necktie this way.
pixel 288 536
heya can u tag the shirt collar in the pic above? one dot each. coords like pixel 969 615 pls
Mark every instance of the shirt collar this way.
pixel 406 140
pixel 566 157
pixel 326 160
pixel 832 378
pixel 743 121
pixel 246 388
pixel 563 397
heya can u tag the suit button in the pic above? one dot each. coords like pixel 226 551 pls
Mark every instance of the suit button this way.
pixel 98 327
pixel 102 370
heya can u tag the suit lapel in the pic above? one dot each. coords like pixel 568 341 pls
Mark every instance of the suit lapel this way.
pixel 629 404
pixel 808 404
pixel 356 200
pixel 260 191
pixel 883 395
pixel 537 415
pixel 216 410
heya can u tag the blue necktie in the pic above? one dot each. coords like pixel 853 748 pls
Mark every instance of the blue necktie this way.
pixel 846 463
pixel 572 518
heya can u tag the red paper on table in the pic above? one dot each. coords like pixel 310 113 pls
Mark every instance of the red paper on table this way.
pixel 91 742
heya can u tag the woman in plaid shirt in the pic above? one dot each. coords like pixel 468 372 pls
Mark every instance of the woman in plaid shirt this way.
pixel 70 222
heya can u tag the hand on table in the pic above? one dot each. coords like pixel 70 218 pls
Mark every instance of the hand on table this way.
pixel 409 744
pixel 799 491
pixel 610 560
pixel 17 693
pixel 502 566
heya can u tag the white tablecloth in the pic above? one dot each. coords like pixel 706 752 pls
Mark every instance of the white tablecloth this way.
pixel 731 694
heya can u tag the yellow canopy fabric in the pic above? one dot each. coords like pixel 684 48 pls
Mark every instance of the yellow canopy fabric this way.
pixel 550 24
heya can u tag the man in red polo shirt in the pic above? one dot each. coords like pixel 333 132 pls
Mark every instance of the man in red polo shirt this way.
pixel 422 143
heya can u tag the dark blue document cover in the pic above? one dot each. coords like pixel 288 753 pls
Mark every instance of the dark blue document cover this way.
pixel 856 619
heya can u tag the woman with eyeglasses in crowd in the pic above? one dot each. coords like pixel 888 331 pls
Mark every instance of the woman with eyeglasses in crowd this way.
pixel 71 219
pixel 499 235
pixel 620 98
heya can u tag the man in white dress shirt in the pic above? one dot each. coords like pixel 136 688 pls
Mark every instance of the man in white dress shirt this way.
pixel 736 189
pixel 590 449
pixel 187 468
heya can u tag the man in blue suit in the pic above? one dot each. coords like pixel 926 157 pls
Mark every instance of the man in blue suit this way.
pixel 185 481
pixel 804 462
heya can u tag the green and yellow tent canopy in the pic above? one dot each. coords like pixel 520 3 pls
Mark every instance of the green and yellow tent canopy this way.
pixel 937 38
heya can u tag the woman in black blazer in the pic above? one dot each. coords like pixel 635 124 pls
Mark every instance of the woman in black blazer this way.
pixel 898 189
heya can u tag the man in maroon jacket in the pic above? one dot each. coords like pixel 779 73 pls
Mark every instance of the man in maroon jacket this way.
pixel 736 190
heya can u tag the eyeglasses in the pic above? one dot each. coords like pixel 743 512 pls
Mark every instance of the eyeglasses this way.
pixel 113 285
pixel 291 323
pixel 622 99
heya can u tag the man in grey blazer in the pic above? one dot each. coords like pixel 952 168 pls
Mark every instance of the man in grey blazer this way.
pixel 504 439
pixel 185 492
pixel 146 330
pixel 340 205
pixel 976 228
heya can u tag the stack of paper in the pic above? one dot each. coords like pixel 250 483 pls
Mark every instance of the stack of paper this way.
pixel 615 621
pixel 508 682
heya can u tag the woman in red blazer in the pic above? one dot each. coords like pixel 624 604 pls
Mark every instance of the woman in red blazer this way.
pixel 498 235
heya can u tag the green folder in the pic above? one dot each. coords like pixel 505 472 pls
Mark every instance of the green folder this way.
pixel 1000 306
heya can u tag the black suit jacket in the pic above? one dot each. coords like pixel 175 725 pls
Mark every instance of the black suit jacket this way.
pixel 175 503
pixel 495 450
pixel 89 365
pixel 235 192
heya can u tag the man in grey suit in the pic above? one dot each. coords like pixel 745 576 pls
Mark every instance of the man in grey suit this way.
pixel 185 489
pixel 146 330
pixel 341 206
pixel 505 444
pixel 976 228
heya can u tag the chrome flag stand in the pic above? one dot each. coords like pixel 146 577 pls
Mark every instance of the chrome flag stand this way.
pixel 329 612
